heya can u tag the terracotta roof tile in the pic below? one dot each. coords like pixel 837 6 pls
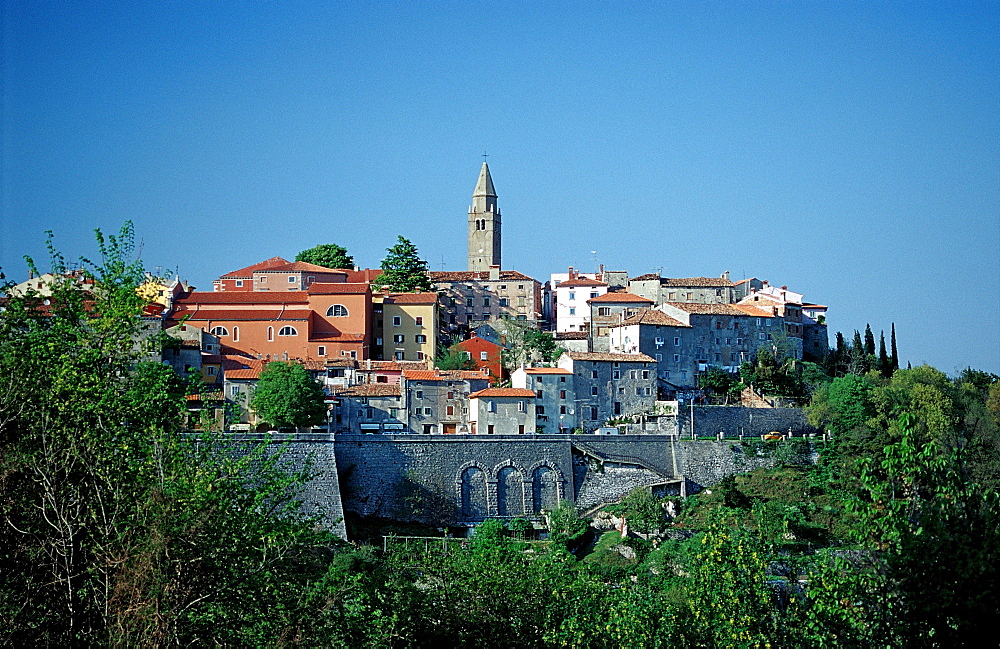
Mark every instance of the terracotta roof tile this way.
pixel 503 392
pixel 581 281
pixel 710 282
pixel 571 335
pixel 267 264
pixel 443 375
pixel 652 317
pixel 244 315
pixel 335 337
pixel 751 310
pixel 707 309
pixel 624 298
pixel 243 297
pixel 412 298
pixel 391 366
pixel 546 370
pixel 327 288
pixel 618 358
pixel 645 278
pixel 371 390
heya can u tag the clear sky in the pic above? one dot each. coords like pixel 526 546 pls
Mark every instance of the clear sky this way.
pixel 848 150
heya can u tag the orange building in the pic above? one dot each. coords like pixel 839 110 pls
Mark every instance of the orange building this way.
pixel 324 321
pixel 277 274
pixel 485 355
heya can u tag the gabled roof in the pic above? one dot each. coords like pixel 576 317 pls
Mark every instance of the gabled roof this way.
pixel 519 393
pixel 476 276
pixel 278 265
pixel 242 315
pixel 752 310
pixel 371 390
pixel 581 281
pixel 443 375
pixel 652 317
pixel 411 298
pixel 572 335
pixel 365 276
pixel 327 288
pixel 267 264
pixel 620 297
pixel 707 309
pixel 618 358
pixel 244 297
pixel 703 282
pixel 391 366
pixel 546 370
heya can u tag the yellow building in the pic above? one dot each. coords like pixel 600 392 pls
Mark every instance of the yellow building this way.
pixel 406 326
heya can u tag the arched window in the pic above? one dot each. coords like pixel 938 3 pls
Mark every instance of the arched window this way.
pixel 337 311
pixel 288 331
pixel 219 331
pixel 270 333
pixel 236 334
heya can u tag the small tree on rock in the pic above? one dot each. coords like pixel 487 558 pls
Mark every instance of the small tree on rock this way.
pixel 403 270
pixel 286 396
pixel 327 255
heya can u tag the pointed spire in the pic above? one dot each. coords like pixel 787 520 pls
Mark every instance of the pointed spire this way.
pixel 484 187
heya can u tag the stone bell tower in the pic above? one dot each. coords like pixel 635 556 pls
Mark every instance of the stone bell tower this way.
pixel 484 224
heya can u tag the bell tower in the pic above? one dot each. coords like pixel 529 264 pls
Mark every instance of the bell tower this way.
pixel 484 224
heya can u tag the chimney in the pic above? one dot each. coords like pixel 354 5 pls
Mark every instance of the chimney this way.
pixel 494 272
pixel 725 275
pixel 764 283
pixel 571 272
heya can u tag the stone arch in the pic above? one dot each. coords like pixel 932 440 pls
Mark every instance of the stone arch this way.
pixel 510 492
pixel 546 489
pixel 473 492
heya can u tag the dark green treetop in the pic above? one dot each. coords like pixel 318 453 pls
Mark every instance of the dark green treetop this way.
pixel 403 270
pixel 287 396
pixel 327 255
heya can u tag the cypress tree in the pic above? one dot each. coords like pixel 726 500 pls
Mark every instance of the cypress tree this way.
pixel 857 347
pixel 869 340
pixel 894 359
pixel 884 364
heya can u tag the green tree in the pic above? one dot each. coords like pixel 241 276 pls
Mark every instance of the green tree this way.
pixel 894 355
pixel 719 381
pixel 642 510
pixel 454 358
pixel 869 340
pixel 884 364
pixel 327 255
pixel 403 270
pixel 287 396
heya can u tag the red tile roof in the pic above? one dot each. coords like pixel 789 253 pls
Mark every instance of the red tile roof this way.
pixel 618 358
pixel 546 370
pixel 581 281
pixel 391 366
pixel 473 275
pixel 707 309
pixel 749 309
pixel 322 336
pixel 244 297
pixel 325 288
pixel 365 276
pixel 709 282
pixel 503 392
pixel 571 335
pixel 443 375
pixel 267 264
pixel 624 298
pixel 412 298
pixel 278 265
pixel 242 315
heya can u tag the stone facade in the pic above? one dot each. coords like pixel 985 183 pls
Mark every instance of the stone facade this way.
pixel 502 411
pixel 484 224
pixel 554 394
pixel 610 386
pixel 698 290
pixel 468 299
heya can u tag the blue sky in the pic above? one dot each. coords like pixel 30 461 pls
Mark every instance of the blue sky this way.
pixel 848 150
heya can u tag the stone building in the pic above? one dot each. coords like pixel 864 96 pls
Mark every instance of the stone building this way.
pixel 700 290
pixel 369 408
pixel 608 310
pixel 501 411
pixel 437 401
pixel 471 298
pixel 554 396
pixel 610 386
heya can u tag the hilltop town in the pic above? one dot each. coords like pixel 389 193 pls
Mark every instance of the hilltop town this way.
pixel 627 350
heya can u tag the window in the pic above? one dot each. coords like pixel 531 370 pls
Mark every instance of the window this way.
pixel 291 279
pixel 521 406
pixel 420 394
pixel 572 310
pixel 420 338
pixel 396 321
pixel 210 348
pixel 219 331
pixel 729 341
pixel 562 394
pixel 337 311
pixel 234 391
pixel 593 413
pixel 236 334
pixel 768 321
pixel 393 412
pixel 593 294
pixel 538 379
pixel 239 283
pixel 562 379
pixel 631 374
pixel 321 350
pixel 419 321
pixel 572 295
pixel 684 375
pixel 451 411
pixel 604 311
pixel 539 410
pixel 659 358
pixel 739 341
pixel 491 406
pixel 677 341
pixel 288 331
pixel 504 301
pixel 486 301
pixel 538 393
pixel 262 279
pixel 649 392
pixel 593 374
pixel 718 324
pixel 520 287
pixel 638 392
pixel 645 374
pixel 562 410
pixel 211 370
pixel 484 356
pixel 762 336
pixel 467 355
pixel 616 374
pixel 354 354
pixel 718 341
pixel 677 358
pixel 420 356
pixel 469 301
pixel 270 333
pixel 398 338
pixel 520 301
pixel 428 411
pixel 718 357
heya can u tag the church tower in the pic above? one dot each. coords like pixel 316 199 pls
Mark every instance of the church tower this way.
pixel 484 224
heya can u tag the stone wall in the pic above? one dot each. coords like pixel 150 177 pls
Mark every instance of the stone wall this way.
pixel 749 422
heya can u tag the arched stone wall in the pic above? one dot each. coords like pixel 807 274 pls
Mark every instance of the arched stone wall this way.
pixel 474 494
